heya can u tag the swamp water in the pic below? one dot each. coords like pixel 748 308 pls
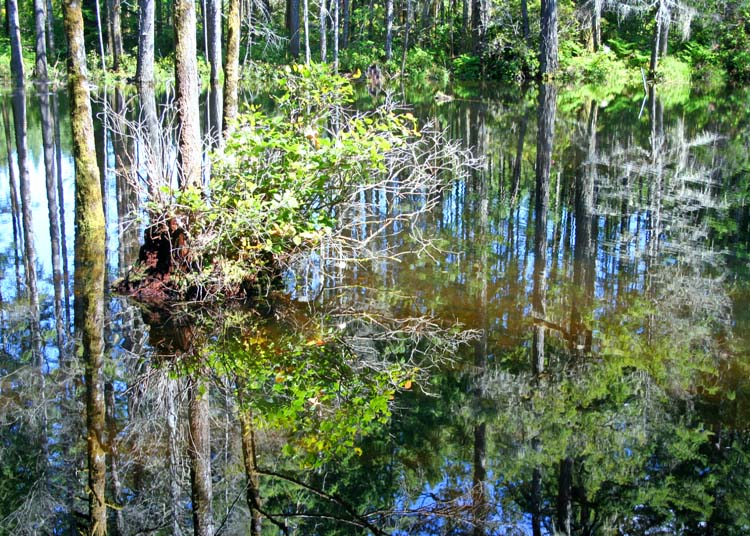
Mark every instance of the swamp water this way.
pixel 570 355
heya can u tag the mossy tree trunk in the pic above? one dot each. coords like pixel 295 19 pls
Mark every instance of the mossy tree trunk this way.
pixel 232 66
pixel 90 260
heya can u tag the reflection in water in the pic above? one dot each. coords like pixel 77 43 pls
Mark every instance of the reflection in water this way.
pixel 609 331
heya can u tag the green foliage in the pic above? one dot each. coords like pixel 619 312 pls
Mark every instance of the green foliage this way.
pixel 280 177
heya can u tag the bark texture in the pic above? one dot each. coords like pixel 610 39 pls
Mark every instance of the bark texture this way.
pixel 187 92
pixel 90 257
pixel 232 67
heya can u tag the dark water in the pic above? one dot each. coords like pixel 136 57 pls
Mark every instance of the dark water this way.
pixel 569 355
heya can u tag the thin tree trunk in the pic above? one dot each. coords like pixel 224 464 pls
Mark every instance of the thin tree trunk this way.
pixel 293 27
pixel 232 67
pixel 335 4
pixel 40 25
pixel 213 27
pixel 187 92
pixel 115 31
pixel 199 448
pixel 346 23
pixel 525 20
pixel 407 28
pixel 388 29
pixel 51 49
pixel 323 31
pixel 306 22
pixel 90 260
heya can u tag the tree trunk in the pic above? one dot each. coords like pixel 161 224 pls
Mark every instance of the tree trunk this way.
pixel 51 49
pixel 232 67
pixel 388 29
pixel 199 448
pixel 293 27
pixel 323 30
pixel 596 24
pixel 662 18
pixel 565 497
pixel 114 25
pixel 40 23
pixel 407 28
pixel 145 66
pixel 213 27
pixel 90 262
pixel 16 54
pixel 306 22
pixel 335 4
pixel 187 92
pixel 477 7
pixel 548 61
pixel 61 203
pixel 346 23
pixel 525 20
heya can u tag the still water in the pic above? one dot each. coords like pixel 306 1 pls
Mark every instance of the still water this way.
pixel 568 355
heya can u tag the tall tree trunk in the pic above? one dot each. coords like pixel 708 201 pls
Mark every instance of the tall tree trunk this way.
pixel 16 54
pixel 477 12
pixel 90 257
pixel 213 33
pixel 40 25
pixel 306 23
pixel 48 19
pixel 293 27
pixel 232 67
pixel 388 29
pixel 187 92
pixel 114 25
pixel 548 61
pixel 323 31
pixel 346 23
pixel 407 28
pixel 335 5
pixel 199 448
pixel 145 66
